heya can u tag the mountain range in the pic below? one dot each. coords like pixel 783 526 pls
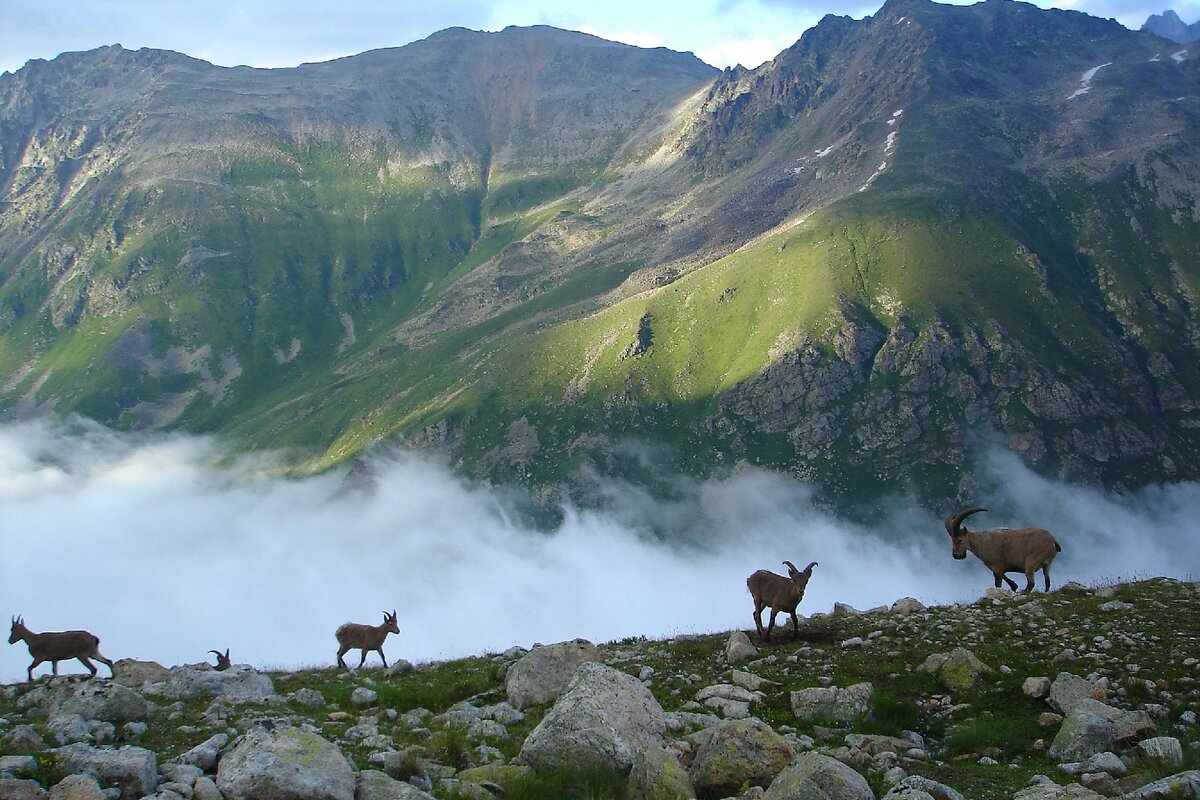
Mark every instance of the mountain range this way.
pixel 905 240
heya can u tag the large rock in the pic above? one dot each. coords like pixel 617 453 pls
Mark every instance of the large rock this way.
pixel 957 669
pixel 604 718
pixel 732 701
pixel 91 699
pixel 1069 690
pixel 375 785
pixel 1052 791
pixel 204 755
pixel 1166 749
pixel 77 787
pixel 1093 727
pixel 738 753
pixel 819 777
pixel 916 787
pixel 18 789
pixel 238 684
pixel 541 675
pixel 133 770
pixel 739 648
pixel 658 775
pixel 285 764
pixel 133 673
pixel 833 703
pixel 1181 786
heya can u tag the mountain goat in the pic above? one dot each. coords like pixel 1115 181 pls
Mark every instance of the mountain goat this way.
pixel 779 593
pixel 58 646
pixel 1024 550
pixel 223 662
pixel 365 637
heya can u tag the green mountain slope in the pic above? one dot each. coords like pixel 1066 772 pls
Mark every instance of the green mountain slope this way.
pixel 904 238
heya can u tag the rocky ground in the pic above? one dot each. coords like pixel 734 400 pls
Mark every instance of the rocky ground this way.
pixel 1080 693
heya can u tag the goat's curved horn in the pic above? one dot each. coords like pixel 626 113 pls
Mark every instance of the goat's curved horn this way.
pixel 810 566
pixel 955 520
pixel 791 565
pixel 217 653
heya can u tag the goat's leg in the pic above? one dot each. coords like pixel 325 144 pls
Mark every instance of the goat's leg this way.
pixel 341 652
pixel 1000 576
pixel 90 666
pixel 362 660
pixel 758 607
pixel 105 662
pixel 795 627
pixel 382 657
pixel 54 666
pixel 771 627
pixel 1046 575
pixel 36 661
pixel 1029 581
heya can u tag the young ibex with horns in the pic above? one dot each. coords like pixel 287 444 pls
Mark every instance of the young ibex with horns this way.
pixel 1024 550
pixel 365 637
pixel 58 646
pixel 779 593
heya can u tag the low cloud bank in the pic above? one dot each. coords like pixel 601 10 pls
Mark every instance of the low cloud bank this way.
pixel 165 547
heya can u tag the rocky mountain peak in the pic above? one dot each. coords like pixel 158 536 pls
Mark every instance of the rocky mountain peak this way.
pixel 1168 25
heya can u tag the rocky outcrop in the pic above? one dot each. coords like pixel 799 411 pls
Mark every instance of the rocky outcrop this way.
pixel 833 703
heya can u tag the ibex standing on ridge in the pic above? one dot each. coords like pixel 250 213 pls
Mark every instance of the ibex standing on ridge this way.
pixel 1024 550
pixel 780 593
pixel 365 637
pixel 58 646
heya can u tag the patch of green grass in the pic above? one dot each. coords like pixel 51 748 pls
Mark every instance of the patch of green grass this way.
pixel 586 782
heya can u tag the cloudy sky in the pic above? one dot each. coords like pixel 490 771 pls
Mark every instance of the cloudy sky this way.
pixel 274 33
pixel 146 542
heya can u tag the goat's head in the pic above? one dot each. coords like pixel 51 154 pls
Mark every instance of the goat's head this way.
pixel 799 577
pixel 389 622
pixel 18 630
pixel 958 534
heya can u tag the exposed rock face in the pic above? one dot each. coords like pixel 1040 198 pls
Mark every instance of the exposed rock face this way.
pixel 604 717
pixel 375 785
pixel 542 674
pixel 285 764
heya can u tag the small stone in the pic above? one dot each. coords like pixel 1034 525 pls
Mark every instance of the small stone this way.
pixel 362 696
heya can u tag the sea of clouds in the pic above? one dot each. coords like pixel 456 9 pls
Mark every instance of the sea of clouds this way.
pixel 168 545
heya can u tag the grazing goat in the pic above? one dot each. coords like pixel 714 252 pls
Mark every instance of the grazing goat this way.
pixel 779 593
pixel 365 637
pixel 58 646
pixel 223 662
pixel 1024 550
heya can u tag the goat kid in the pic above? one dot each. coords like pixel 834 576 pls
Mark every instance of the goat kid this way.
pixel 365 637
pixel 58 646
pixel 1023 550
pixel 780 594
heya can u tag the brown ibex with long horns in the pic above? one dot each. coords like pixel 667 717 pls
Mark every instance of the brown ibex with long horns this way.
pixel 1024 550
pixel 58 646
pixel 223 662
pixel 780 593
pixel 365 637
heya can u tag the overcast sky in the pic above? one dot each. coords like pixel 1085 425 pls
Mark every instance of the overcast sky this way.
pixel 275 33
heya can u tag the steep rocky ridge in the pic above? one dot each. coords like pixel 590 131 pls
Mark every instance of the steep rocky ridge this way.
pixel 903 237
